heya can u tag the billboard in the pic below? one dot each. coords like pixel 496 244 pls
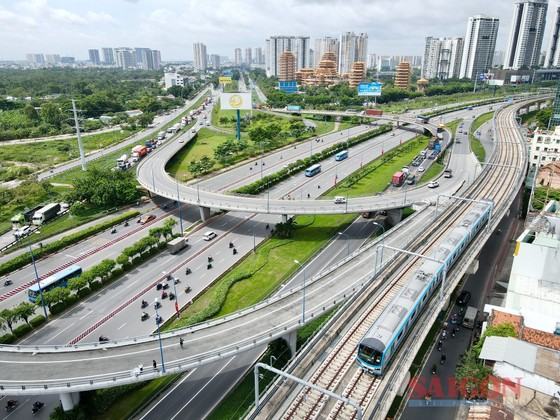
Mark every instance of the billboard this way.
pixel 369 89
pixel 236 100
pixel 289 86
pixel 495 82
pixel 224 80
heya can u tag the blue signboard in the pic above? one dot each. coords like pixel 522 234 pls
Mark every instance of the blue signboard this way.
pixel 227 72
pixel 369 89
pixel 288 86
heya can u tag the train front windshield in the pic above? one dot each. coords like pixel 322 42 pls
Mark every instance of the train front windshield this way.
pixel 370 355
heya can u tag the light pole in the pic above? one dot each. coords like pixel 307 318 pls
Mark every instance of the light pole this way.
pixel 382 246
pixel 38 283
pixel 175 292
pixel 179 205
pixel 303 297
pixel 156 302
pixel 347 242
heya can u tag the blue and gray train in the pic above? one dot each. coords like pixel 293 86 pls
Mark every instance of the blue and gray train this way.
pixel 381 342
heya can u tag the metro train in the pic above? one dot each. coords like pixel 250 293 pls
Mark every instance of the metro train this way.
pixel 381 342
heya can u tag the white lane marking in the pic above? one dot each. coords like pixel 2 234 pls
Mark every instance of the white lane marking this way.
pixel 168 393
pixel 122 326
pixel 60 332
pixel 202 388
pixel 85 316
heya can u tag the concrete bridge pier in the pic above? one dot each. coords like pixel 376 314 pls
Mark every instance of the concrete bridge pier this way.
pixel 394 216
pixel 204 213
pixel 284 218
pixel 291 340
pixel 69 400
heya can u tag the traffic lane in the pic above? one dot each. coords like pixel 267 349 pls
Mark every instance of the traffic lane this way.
pixel 25 405
pixel 197 392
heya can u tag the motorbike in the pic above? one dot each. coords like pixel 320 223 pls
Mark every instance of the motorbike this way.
pixel 188 271
pixel 103 339
pixel 165 286
pixel 37 405
pixel 209 266
pixel 443 359
pixel 176 281
pixel 188 289
pixel 125 224
pixel 159 286
pixel 210 259
pixel 163 295
pixel 157 305
pixel 159 319
pixel 143 304
pixel 231 245
pixel 11 405
pixel 144 316
pixel 234 251
pixel 171 296
pixel 8 283
pixel 434 369
pixel 114 230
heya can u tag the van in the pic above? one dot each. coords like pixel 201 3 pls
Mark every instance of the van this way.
pixel 208 236
pixel 471 314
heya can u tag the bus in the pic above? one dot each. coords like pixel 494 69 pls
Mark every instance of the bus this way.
pixel 341 155
pixel 313 170
pixel 59 279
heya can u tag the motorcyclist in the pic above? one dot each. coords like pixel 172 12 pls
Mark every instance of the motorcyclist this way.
pixel 187 271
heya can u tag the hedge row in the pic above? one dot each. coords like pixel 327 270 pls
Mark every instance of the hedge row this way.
pixel 22 330
pixel 24 259
pixel 461 107
pixel 299 165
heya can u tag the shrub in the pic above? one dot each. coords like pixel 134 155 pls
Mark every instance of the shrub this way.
pixel 21 330
pixel 36 321
pixel 7 339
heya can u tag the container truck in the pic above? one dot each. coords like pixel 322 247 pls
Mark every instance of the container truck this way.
pixel 46 213
pixel 177 245
pixel 139 151
pixel 374 112
pixel 398 178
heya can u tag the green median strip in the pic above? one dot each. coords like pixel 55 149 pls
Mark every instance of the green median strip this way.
pixel 437 167
pixel 476 145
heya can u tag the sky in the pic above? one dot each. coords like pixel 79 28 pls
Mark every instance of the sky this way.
pixel 395 27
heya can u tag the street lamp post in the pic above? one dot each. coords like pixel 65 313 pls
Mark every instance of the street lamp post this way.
pixel 382 246
pixel 38 281
pixel 303 296
pixel 159 336
pixel 347 242
pixel 179 205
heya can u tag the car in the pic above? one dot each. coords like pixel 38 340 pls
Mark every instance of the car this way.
pixel 181 140
pixel 208 123
pixel 193 130
pixel 421 169
pixel 340 200
pixel 463 298
pixel 411 180
pixel 208 236
pixel 147 218
pixel 433 184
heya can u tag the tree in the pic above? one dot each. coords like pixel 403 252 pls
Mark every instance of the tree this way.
pixel 146 119
pixel 176 91
pixel 51 114
pixel 24 311
pixel 77 283
pixel 54 296
pixel 123 260
pixel 9 316
pixel 105 188
pixel 30 112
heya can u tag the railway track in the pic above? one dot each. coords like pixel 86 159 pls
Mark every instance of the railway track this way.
pixel 338 368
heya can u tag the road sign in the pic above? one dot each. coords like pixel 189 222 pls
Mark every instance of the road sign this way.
pixel 236 100
pixel 224 80
pixel 370 89
pixel 289 86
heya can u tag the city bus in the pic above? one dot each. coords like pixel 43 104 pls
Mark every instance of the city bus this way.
pixel 341 155
pixel 313 170
pixel 59 279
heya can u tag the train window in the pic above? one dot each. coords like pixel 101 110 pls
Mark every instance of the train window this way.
pixel 400 335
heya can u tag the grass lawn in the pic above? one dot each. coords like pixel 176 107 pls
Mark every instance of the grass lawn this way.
pixel 476 145
pixel 49 153
pixel 438 166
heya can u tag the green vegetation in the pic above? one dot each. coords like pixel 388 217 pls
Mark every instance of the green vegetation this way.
pixel 543 195
pixel 438 165
pixel 476 145
pixel 537 118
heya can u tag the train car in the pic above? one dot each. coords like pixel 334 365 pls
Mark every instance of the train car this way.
pixel 381 342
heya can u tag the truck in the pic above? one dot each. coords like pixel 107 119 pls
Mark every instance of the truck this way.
pixel 177 245
pixel 374 112
pixel 398 179
pixel 161 135
pixel 471 314
pixel 122 161
pixel 46 213
pixel 139 151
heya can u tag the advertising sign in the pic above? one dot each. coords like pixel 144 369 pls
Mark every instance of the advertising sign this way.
pixel 294 108
pixel 224 80
pixel 289 86
pixel 370 89
pixel 236 100
pixel 227 72
pixel 496 82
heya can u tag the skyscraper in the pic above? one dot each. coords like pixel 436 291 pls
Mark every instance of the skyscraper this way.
pixel 276 45
pixel 352 48
pixel 156 58
pixel 199 50
pixel 302 48
pixel 553 53
pixel 442 58
pixel 323 45
pixel 108 56
pixel 215 61
pixel 144 58
pixel 480 45
pixel 125 57
pixel 248 60
pixel 259 56
pixel 94 57
pixel 237 60
pixel 526 36
pixel 52 59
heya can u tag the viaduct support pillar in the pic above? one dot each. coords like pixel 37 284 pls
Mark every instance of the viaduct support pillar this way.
pixel 291 340
pixel 69 400
pixel 284 218
pixel 204 213
pixel 394 216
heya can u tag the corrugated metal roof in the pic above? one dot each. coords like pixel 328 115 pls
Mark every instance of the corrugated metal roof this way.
pixel 510 350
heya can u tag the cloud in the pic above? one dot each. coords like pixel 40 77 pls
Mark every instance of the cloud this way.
pixel 65 16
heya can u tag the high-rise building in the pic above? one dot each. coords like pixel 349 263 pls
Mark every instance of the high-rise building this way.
pixel 287 66
pixel 108 56
pixel 248 60
pixel 402 78
pixel 352 48
pixel 35 59
pixel 442 58
pixel 215 61
pixel 259 56
pixel 553 53
pixel 144 58
pixel 94 57
pixel 480 45
pixel 276 45
pixel 301 48
pixel 125 57
pixel 199 50
pixel 237 58
pixel 324 45
pixel 526 35
pixel 498 59
pixel 156 59
pixel 52 59
pixel 67 60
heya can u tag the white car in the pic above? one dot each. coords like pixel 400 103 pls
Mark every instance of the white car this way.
pixel 208 236
pixel 420 169
pixel 433 184
pixel 340 200
pixel 181 140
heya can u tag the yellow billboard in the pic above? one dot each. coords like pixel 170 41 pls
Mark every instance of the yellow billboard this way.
pixel 224 80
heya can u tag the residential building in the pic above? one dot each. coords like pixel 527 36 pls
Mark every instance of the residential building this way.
pixel 248 60
pixel 553 52
pixel 498 59
pixel 402 78
pixel 480 45
pixel 67 60
pixel 94 57
pixel 199 51
pixel 352 48
pixel 173 79
pixel 156 58
pixel 526 35
pixel 442 58
pixel 544 147
pixel 35 59
pixel 125 58
pixel 287 67
pixel 108 56
pixel 237 59
pixel 144 59
pixel 52 59
pixel 301 47
pixel 259 56
pixel 215 61
pixel 372 61
pixel 275 46
pixel 324 45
